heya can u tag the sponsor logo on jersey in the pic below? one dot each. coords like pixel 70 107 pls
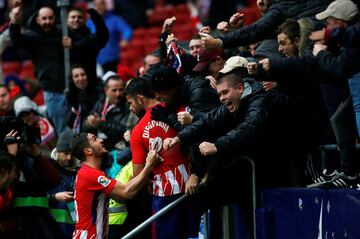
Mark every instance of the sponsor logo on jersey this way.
pixel 104 181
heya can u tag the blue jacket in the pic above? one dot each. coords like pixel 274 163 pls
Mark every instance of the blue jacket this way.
pixel 118 30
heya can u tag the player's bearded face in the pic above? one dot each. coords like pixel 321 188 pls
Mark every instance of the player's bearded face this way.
pixel 135 106
pixel 98 148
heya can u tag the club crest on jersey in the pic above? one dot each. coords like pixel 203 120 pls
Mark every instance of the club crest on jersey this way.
pixel 104 181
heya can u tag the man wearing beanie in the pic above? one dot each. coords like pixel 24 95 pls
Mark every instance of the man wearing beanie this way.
pixel 61 198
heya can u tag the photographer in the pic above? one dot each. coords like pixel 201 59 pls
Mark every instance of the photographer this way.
pixel 29 216
pixel 30 113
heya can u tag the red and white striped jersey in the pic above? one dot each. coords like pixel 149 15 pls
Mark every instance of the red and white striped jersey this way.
pixel 171 175
pixel 92 190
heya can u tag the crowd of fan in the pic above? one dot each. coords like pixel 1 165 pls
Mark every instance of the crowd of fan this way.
pixel 272 91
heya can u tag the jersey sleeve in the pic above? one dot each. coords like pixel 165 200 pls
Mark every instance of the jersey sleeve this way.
pixel 96 180
pixel 137 148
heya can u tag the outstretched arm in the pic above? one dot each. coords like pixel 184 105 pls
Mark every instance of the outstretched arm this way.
pixel 127 191
pixel 255 32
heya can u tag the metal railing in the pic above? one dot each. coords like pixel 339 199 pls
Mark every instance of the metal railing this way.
pixel 175 203
pixel 148 221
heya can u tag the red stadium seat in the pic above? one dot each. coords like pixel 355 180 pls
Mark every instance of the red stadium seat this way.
pixel 182 9
pixel 139 33
pixel 184 32
pixel 11 67
pixel 151 45
pixel 182 19
pixel 125 72
pixel 160 14
pixel 153 32
pixel 251 14
pixel 135 47
pixel 27 70
pixel 39 97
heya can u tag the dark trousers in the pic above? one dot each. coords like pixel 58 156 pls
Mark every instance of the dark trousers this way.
pixel 343 124
pixel 110 66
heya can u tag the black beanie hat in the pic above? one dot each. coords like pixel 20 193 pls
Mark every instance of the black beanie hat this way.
pixel 165 78
pixel 63 143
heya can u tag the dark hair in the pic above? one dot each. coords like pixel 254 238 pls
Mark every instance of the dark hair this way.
pixel 165 78
pixel 77 9
pixel 139 86
pixel 291 28
pixel 46 6
pixel 7 161
pixel 235 77
pixel 77 145
pixel 18 82
pixel 115 78
pixel 196 37
pixel 75 66
pixel 5 86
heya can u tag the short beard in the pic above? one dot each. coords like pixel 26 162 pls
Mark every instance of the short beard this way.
pixel 141 113
pixel 99 154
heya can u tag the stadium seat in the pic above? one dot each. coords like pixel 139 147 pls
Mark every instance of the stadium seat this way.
pixel 251 14
pixel 27 70
pixel 182 9
pixel 139 33
pixel 11 67
pixel 151 45
pixel 153 32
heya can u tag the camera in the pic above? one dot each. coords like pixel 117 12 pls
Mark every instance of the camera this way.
pixel 28 134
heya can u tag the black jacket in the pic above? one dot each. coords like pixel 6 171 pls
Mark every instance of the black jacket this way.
pixel 87 45
pixel 199 96
pixel 115 124
pixel 277 14
pixel 238 133
pixel 348 37
pixel 341 59
pixel 80 99
pixel 261 129
pixel 341 66
pixel 300 79
pixel 196 94
pixel 46 52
